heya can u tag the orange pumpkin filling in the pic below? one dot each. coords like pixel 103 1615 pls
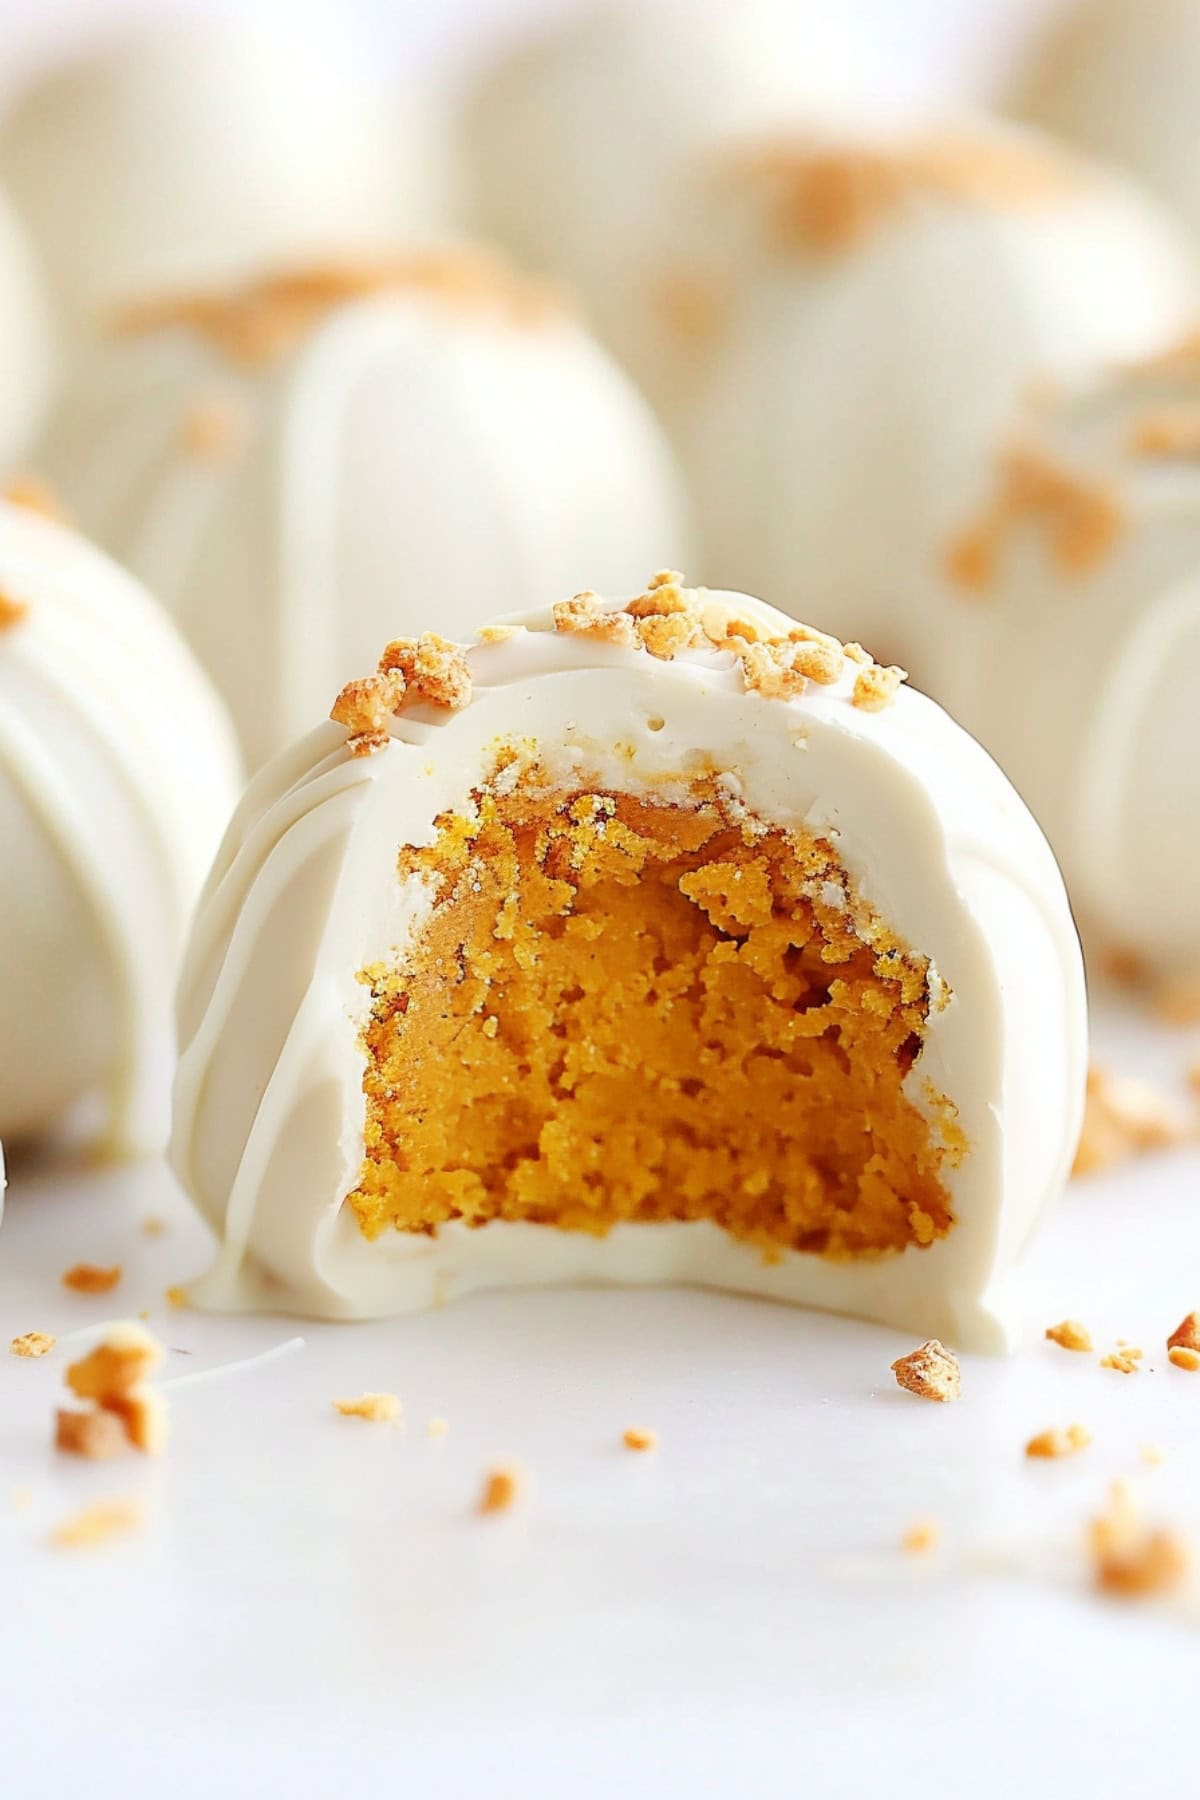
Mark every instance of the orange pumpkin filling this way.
pixel 632 1009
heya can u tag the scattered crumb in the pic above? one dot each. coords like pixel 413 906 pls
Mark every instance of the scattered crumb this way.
pixel 434 669
pixel 364 708
pixel 931 1371
pixel 1123 1117
pixel 175 1295
pixel 123 1358
pixel 1054 1443
pixel 921 1537
pixel 875 688
pixel 376 1407
pixel 1186 1334
pixel 500 1490
pixel 1070 1334
pixel 640 1437
pixel 1183 1358
pixel 153 1226
pixel 32 1343
pixel 438 1427
pixel 86 1278
pixel 1132 1560
pixel 94 1434
pixel 1125 1361
pixel 96 1523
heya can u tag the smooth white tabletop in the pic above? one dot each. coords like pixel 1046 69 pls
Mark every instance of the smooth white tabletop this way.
pixel 313 1607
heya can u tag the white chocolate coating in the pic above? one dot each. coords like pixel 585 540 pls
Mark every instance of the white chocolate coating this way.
pixel 269 1105
pixel 845 415
pixel 117 775
pixel 575 144
pixel 1121 78
pixel 1083 683
pixel 198 150
pixel 27 348
pixel 415 456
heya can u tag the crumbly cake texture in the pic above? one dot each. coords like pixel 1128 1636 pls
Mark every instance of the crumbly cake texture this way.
pixel 1078 518
pixel 625 1010
pixel 930 1371
pixel 113 1382
pixel 826 199
pixel 664 620
pixel 264 320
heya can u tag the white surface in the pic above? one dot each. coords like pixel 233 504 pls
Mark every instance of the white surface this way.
pixel 313 1608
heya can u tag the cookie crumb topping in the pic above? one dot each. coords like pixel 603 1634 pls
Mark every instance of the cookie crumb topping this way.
pixel 930 1371
pixel 1055 1442
pixel 1079 519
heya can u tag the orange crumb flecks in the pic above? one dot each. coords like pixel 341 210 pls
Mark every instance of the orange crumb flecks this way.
pixel 96 1435
pixel 1186 1334
pixel 1070 1334
pixel 434 669
pixel 32 1343
pixel 1125 1362
pixel 1130 1559
pixel 1080 520
pixel 930 1371
pixel 875 688
pixel 500 1490
pixel 1055 1443
pixel 1123 1117
pixel 1183 1358
pixel 376 1407
pixel 639 1437
pixel 364 708
pixel 96 1524
pixel 11 612
pixel 921 1537
pixel 87 1278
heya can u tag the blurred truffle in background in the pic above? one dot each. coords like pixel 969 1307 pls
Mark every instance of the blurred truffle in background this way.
pixel 201 149
pixel 575 142
pixel 1122 79
pixel 306 466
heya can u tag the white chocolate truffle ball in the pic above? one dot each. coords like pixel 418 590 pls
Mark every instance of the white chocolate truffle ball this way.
pixel 117 776
pixel 1077 588
pixel 301 469
pixel 27 351
pixel 883 309
pixel 1121 78
pixel 205 149
pixel 574 144
pixel 620 948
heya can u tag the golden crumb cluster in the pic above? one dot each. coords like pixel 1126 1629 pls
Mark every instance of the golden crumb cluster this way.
pixel 1080 520
pixel 1055 1442
pixel 266 319
pixel 1070 1334
pixel 429 670
pixel 628 1009
pixel 668 618
pixel 1130 1559
pixel 89 1278
pixel 32 1343
pixel 825 199
pixel 1125 1359
pixel 123 1408
pixel 930 1371
pixel 378 1408
pixel 1123 1117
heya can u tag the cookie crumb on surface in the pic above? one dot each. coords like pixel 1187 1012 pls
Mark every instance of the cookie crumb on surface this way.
pixel 376 1407
pixel 95 1435
pixel 102 1520
pixel 921 1537
pixel 87 1278
pixel 1070 1334
pixel 1182 1358
pixel 930 1371
pixel 500 1490
pixel 639 1437
pixel 1186 1334
pixel 1125 1361
pixel 1054 1443
pixel 1130 1559
pixel 32 1343
pixel 1123 1117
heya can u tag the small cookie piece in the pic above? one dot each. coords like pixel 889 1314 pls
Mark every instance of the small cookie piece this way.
pixel 32 1343
pixel 1055 1443
pixel 500 1490
pixel 1130 1559
pixel 1070 1335
pixel 376 1407
pixel 88 1278
pixel 930 1371
pixel 640 1437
